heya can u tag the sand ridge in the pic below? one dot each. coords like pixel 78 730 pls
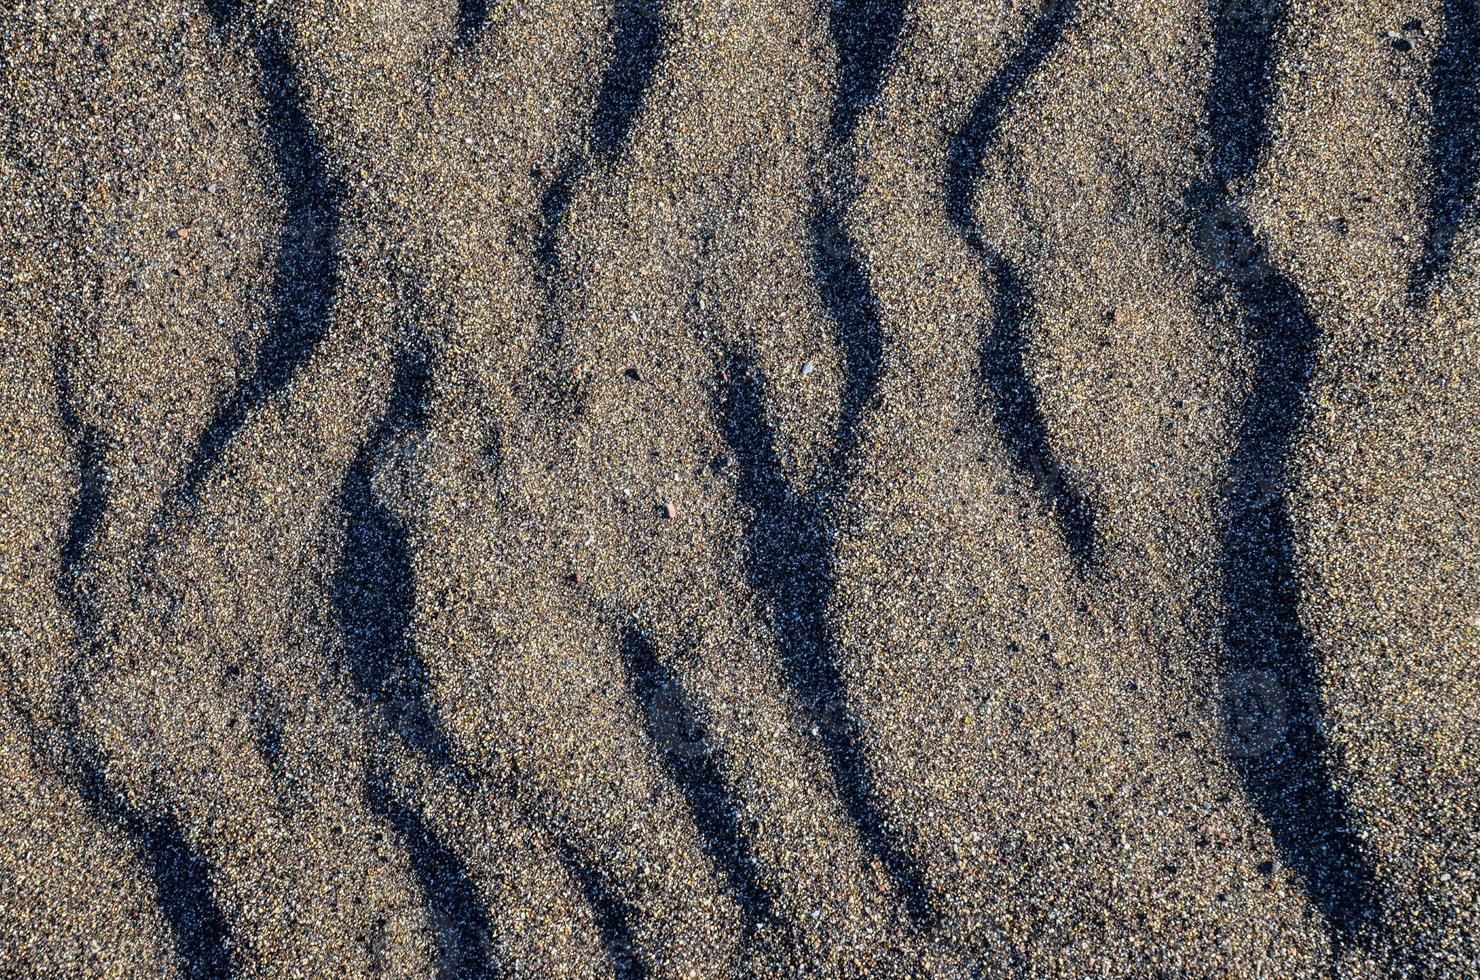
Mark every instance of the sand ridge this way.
pixel 681 489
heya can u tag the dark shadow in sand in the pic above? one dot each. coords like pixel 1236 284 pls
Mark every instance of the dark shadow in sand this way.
pixel 472 17
pixel 223 12
pixel 842 284
pixel 637 49
pixel 790 540
pixel 612 914
pixel 87 512
pixel 1270 666
pixel 306 269
pixel 554 203
pixel 374 588
pixel 791 534
pixel 1010 391
pixel 638 33
pixel 689 758
pixel 865 34
pixel 456 913
pixel 965 156
pixel 183 878
pixel 1454 143
pixel 1014 403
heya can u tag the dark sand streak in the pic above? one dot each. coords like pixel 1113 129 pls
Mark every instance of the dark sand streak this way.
pixel 457 915
pixel 306 270
pixel 1009 389
pixel 791 565
pixel 613 915
pixel 374 596
pixel 866 35
pixel 1289 780
pixel 638 29
pixel 638 33
pixel 791 535
pixel 472 17
pixel 689 759
pixel 1454 143
pixel 374 587
pixel 1018 417
pixel 183 878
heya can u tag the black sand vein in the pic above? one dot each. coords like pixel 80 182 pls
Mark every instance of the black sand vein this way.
pixel 457 915
pixel 1002 361
pixel 306 269
pixel 92 501
pixel 472 17
pixel 1454 143
pixel 614 917
pixel 374 586
pixel 638 31
pixel 183 878
pixel 638 28
pixel 865 34
pixel 1013 399
pixel 1266 652
pixel 791 534
pixel 791 565
pixel 690 761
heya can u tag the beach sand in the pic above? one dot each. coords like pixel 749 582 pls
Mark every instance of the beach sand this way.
pixel 675 488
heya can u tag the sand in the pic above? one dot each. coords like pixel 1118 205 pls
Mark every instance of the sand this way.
pixel 675 488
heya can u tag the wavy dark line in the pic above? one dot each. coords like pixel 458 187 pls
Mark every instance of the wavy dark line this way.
pixel 690 760
pixel 1268 660
pixel 554 203
pixel 1002 356
pixel 843 285
pixel 374 588
pixel 791 565
pixel 638 30
pixel 1241 86
pixel 91 505
pixel 306 270
pixel 1019 419
pixel 791 535
pixel 223 12
pixel 457 914
pixel 183 878
pixel 472 17
pixel 612 913
pixel 1291 783
pixel 866 34
pixel 967 151
pixel 1454 143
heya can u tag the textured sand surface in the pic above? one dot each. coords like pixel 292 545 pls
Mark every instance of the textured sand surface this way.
pixel 676 488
